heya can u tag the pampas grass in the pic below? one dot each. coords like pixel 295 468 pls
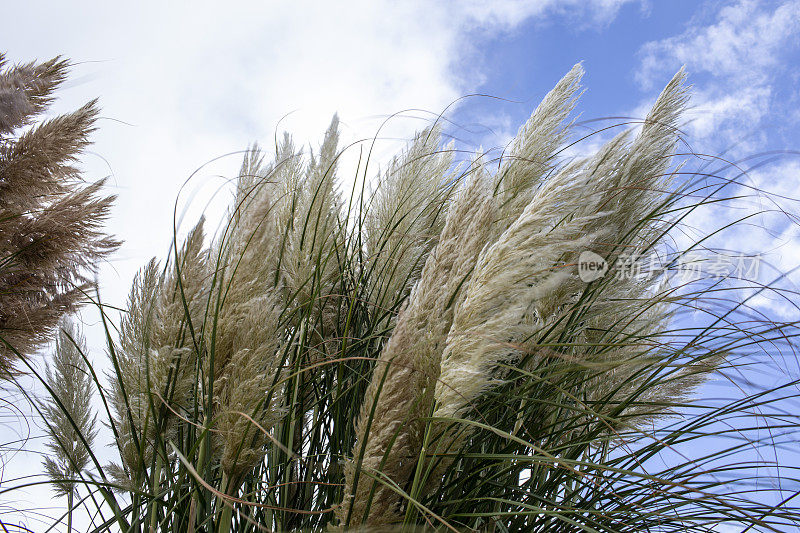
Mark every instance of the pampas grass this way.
pixel 50 223
pixel 424 355
pixel 390 424
pixel 405 217
pixel 71 423
pixel 520 286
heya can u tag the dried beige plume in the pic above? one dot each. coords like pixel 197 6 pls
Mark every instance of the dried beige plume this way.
pixel 128 381
pixel 249 306
pixel 71 424
pixel 524 282
pixel 389 427
pixel 245 397
pixel 156 359
pixel 50 236
pixel 634 184
pixel 405 218
pixel 314 242
pixel 175 335
pixel 26 90
pixel 534 151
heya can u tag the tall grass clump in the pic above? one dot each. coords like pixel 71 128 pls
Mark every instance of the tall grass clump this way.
pixel 427 352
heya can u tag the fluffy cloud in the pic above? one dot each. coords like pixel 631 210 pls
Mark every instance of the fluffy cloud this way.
pixel 746 42
pixel 738 64
pixel 735 62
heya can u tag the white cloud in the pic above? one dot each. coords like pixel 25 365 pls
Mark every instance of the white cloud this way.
pixel 755 214
pixel 736 62
pixel 722 120
pixel 737 59
pixel 744 43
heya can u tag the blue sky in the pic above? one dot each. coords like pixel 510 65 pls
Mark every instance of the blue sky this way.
pixel 180 86
pixel 744 49
pixel 520 63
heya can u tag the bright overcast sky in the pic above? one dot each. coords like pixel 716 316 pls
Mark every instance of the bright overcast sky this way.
pixel 180 86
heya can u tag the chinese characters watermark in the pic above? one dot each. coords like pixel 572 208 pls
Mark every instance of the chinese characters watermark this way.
pixel 593 266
